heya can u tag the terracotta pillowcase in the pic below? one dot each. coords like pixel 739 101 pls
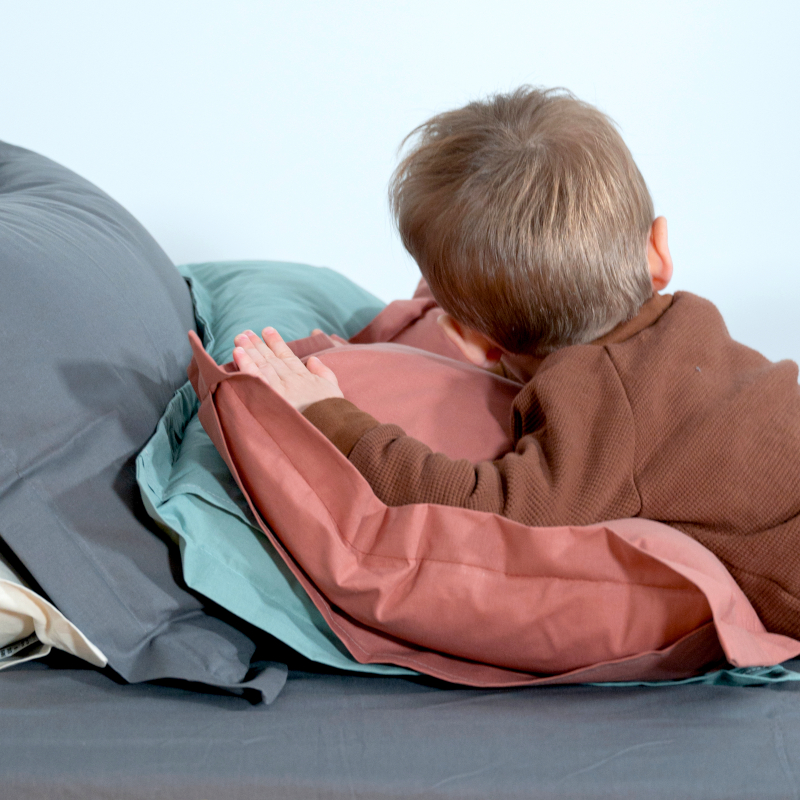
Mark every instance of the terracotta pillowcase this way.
pixel 467 596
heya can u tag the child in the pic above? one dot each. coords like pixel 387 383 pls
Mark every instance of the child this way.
pixel 536 234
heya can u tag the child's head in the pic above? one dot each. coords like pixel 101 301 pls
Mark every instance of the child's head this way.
pixel 528 218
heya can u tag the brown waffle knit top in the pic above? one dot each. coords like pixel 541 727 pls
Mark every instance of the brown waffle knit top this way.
pixel 666 418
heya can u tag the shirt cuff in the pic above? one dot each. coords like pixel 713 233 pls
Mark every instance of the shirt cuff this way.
pixel 340 421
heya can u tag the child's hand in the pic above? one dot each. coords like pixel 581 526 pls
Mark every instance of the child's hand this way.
pixel 273 362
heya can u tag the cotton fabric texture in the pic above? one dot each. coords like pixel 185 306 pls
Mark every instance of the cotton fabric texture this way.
pixel 93 321
pixel 469 596
pixel 340 737
pixel 35 626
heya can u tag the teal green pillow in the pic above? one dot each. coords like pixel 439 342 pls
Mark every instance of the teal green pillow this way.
pixel 186 485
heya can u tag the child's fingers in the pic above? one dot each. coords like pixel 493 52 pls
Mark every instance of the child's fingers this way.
pixel 255 346
pixel 243 361
pixel 316 367
pixel 246 343
pixel 281 350
pixel 247 364
pixel 264 356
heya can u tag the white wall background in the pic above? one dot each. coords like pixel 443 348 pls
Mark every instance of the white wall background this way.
pixel 268 130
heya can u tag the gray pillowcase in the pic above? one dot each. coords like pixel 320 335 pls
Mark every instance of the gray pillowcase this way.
pixel 93 323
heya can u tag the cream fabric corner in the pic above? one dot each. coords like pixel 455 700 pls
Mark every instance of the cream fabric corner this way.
pixel 30 626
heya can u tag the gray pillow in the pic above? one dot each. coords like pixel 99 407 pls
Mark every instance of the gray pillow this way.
pixel 93 322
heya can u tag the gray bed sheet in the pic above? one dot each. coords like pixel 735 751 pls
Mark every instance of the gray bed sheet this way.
pixel 76 733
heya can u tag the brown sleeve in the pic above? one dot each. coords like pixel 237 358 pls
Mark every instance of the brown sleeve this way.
pixel 341 422
pixel 573 461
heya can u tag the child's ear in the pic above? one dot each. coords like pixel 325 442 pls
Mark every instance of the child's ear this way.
pixel 658 256
pixel 474 346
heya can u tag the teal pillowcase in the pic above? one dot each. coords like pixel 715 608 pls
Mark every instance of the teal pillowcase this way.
pixel 185 484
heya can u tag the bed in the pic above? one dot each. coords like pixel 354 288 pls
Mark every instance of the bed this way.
pixel 198 702
pixel 72 732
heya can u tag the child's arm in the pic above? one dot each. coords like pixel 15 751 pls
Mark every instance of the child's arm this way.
pixel 566 468
pixel 572 462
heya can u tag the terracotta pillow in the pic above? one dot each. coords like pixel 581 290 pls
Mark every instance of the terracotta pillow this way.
pixel 468 596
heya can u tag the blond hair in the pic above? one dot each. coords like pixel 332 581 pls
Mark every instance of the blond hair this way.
pixel 528 218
